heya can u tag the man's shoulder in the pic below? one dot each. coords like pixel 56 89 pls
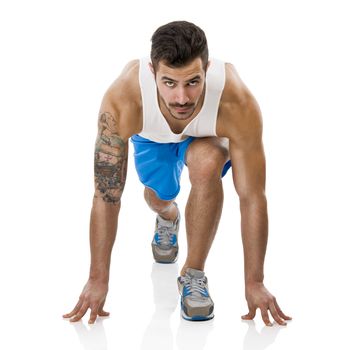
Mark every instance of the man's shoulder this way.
pixel 235 91
pixel 126 87
pixel 238 111
pixel 123 98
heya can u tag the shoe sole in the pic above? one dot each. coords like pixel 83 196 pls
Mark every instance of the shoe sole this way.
pixel 164 260
pixel 195 317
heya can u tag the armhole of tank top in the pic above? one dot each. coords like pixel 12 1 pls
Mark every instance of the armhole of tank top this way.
pixel 141 71
pixel 222 86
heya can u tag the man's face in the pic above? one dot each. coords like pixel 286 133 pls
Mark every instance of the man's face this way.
pixel 180 89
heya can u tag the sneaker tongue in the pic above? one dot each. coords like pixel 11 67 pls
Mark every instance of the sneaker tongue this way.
pixel 164 222
pixel 195 273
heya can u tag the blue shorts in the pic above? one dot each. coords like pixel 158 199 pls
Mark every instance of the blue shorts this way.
pixel 159 165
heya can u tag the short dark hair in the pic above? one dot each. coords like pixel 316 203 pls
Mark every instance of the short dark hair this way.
pixel 178 43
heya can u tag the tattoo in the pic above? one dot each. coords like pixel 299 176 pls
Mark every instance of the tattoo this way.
pixel 110 160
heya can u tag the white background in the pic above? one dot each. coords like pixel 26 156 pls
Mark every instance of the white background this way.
pixel 57 60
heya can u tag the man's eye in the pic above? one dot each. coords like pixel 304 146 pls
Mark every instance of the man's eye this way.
pixel 193 83
pixel 169 83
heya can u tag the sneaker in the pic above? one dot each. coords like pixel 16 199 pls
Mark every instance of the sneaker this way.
pixel 196 304
pixel 164 245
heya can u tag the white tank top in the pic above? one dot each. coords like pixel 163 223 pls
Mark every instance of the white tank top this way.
pixel 155 126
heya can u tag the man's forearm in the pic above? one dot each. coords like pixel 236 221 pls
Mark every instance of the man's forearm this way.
pixel 103 229
pixel 111 159
pixel 254 226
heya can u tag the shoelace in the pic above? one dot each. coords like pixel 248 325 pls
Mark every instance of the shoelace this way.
pixel 165 236
pixel 194 285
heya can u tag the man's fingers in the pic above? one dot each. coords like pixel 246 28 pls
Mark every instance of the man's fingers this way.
pixel 74 311
pixel 281 313
pixel 275 315
pixel 93 315
pixel 103 313
pixel 97 311
pixel 80 310
pixel 80 313
pixel 250 315
pixel 265 317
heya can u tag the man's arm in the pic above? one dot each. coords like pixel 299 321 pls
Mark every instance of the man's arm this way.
pixel 110 168
pixel 119 118
pixel 248 170
pixel 248 167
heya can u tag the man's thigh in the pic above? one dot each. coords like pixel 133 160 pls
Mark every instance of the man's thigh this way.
pixel 204 147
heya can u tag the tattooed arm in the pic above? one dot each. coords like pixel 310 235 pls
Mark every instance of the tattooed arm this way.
pixel 120 117
pixel 111 150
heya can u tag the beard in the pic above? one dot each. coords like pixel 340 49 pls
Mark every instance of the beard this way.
pixel 190 107
pixel 189 110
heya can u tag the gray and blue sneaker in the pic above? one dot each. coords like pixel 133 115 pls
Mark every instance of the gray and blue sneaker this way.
pixel 196 304
pixel 165 246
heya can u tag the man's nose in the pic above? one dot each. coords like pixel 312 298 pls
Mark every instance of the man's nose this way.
pixel 181 96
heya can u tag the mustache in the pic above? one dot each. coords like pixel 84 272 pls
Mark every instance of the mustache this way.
pixel 180 105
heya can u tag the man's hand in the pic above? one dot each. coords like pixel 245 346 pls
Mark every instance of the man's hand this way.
pixel 259 297
pixel 93 296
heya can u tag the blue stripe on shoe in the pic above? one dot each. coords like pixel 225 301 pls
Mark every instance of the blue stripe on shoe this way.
pixel 186 292
pixel 156 238
pixel 205 293
pixel 174 240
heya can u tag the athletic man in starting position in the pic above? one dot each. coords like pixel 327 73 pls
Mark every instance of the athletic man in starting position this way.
pixel 180 107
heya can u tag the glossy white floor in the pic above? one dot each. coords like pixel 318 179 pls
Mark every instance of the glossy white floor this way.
pixel 59 60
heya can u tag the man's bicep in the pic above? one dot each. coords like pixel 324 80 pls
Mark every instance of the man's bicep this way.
pixel 111 158
pixel 248 169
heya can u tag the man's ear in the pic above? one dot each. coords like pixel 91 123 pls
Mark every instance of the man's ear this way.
pixel 150 65
pixel 208 64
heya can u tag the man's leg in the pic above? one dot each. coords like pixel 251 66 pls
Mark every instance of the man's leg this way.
pixel 166 209
pixel 165 246
pixel 205 158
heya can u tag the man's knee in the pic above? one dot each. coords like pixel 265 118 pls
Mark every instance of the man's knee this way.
pixel 155 203
pixel 206 163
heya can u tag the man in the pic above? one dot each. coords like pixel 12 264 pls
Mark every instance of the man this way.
pixel 181 108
